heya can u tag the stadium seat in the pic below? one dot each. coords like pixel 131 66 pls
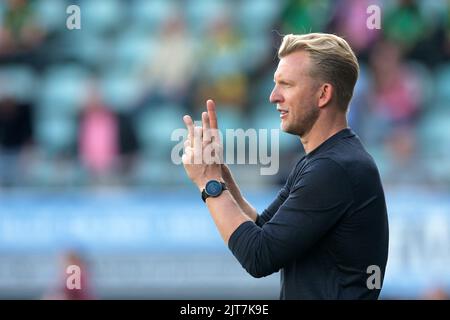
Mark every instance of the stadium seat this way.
pixel 155 126
pixel 43 173
pixel 133 49
pixel 439 105
pixel 2 12
pixel 254 51
pixel 442 80
pixel 201 13
pixel 434 133
pixel 120 91
pixel 89 49
pixel 150 15
pixel 434 143
pixel 18 81
pixel 425 81
pixel 263 88
pixel 159 172
pixel 258 16
pixel 64 89
pixel 223 65
pixel 51 14
pixel 432 10
pixel 102 16
pixel 229 117
pixel 55 133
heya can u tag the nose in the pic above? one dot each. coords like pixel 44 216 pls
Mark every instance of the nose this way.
pixel 275 96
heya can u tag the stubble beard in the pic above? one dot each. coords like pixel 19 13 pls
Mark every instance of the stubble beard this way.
pixel 305 123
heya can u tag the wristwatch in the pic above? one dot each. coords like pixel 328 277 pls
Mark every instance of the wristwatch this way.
pixel 213 188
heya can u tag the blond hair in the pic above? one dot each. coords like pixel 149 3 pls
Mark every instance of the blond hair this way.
pixel 333 61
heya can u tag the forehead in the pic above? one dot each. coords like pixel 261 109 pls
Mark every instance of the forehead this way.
pixel 295 64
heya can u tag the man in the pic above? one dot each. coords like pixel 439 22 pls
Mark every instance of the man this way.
pixel 327 229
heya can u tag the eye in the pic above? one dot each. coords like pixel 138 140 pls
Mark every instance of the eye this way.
pixel 285 84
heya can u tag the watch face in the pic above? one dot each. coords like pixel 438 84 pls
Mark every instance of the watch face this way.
pixel 213 188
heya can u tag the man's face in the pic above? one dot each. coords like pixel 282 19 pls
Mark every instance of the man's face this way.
pixel 295 94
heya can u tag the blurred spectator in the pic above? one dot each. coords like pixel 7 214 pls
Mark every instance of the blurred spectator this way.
pixel 222 75
pixel 128 145
pixel 16 137
pixel 436 293
pixel 446 24
pixel 401 148
pixel 20 32
pixel 98 138
pixel 61 291
pixel 396 94
pixel 431 49
pixel 405 24
pixel 170 70
pixel 302 16
pixel 354 30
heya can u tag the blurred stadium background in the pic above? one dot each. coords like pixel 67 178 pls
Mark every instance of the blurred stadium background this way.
pixel 86 118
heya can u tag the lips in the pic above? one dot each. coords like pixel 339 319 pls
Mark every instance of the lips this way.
pixel 283 113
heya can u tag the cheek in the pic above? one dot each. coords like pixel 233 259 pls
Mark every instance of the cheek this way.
pixel 296 96
pixel 303 100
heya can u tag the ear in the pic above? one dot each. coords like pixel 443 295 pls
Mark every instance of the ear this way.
pixel 325 93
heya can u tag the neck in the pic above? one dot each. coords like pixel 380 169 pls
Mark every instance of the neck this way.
pixel 321 131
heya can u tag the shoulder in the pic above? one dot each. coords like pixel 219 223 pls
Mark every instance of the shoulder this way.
pixel 348 158
pixel 322 182
pixel 323 172
pixel 324 166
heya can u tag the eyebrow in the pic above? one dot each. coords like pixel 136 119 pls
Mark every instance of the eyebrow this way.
pixel 282 81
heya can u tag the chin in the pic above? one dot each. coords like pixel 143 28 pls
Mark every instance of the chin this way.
pixel 287 129
pixel 290 130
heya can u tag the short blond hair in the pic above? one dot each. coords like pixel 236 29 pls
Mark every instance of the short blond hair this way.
pixel 333 61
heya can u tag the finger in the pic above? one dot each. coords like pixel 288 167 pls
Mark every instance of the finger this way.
pixel 211 107
pixel 206 129
pixel 190 126
pixel 188 156
pixel 198 132
pixel 187 143
pixel 186 159
pixel 198 136
pixel 217 153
